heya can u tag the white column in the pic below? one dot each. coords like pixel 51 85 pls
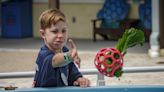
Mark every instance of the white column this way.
pixel 154 43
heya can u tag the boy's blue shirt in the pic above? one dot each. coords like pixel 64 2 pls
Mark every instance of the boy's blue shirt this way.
pixel 47 76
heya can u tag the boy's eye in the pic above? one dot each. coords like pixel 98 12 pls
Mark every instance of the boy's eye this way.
pixel 64 30
pixel 55 31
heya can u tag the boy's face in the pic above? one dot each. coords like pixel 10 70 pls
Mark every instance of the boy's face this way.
pixel 56 36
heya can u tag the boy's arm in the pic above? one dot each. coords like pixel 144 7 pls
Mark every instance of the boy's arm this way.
pixel 76 78
pixel 61 59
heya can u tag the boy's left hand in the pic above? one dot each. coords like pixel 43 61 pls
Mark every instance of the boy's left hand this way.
pixel 82 82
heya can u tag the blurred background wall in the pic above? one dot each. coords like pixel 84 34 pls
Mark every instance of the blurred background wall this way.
pixel 79 15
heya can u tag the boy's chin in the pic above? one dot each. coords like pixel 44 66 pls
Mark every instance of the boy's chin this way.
pixel 57 46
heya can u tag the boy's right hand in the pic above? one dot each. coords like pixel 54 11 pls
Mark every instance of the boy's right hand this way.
pixel 72 49
pixel 73 52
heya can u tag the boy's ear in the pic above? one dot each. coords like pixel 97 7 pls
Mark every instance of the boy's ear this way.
pixel 42 33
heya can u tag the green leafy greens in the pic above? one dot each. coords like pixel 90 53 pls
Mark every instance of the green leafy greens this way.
pixel 130 38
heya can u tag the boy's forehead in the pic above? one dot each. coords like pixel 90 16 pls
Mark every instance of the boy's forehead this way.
pixel 58 25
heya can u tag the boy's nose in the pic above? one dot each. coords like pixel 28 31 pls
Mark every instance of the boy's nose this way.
pixel 60 34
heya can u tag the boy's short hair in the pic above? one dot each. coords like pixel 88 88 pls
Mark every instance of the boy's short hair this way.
pixel 49 17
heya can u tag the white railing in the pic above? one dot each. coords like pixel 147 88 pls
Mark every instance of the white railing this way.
pixel 100 77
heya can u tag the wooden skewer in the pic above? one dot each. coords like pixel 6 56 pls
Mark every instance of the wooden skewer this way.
pixel 8 87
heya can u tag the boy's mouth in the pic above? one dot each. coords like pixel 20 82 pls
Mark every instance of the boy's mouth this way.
pixel 59 42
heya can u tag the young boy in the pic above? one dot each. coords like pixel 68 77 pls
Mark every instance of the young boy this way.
pixel 55 62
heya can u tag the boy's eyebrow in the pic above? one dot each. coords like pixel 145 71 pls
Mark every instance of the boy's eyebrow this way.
pixel 54 29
